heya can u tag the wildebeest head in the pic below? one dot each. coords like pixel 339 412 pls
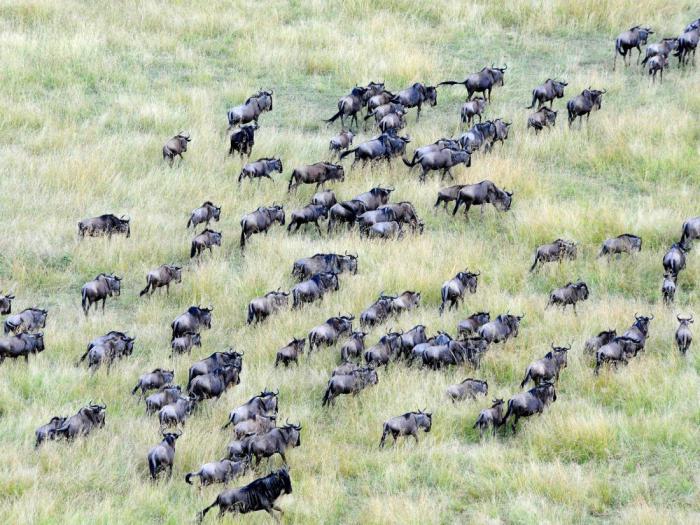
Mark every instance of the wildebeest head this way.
pixel 175 272
pixel 431 95
pixel 6 304
pixel 497 74
pixel 424 419
pixel 203 314
pixel 581 289
pixel 469 279
pixel 276 212
pixel 292 434
pixel 113 282
pixel 642 323
pixel 545 393
pixel 503 200
pixel 595 96
pixel 283 476
pixel 278 297
pixel 348 263
pixel 183 140
pixel 643 33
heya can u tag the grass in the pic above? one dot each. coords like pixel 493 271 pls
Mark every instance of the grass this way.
pixel 91 91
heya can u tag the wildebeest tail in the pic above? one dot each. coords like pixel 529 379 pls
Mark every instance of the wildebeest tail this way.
pixel 132 392
pixel 408 163
pixel 145 290
pixel 526 378
pixel 348 152
pixel 84 302
pixel 152 466
pixel 452 83
pixel 251 314
pixel 189 476
pixel 242 243
pixel 479 421
pixel 443 296
pixel 193 250
pixel 335 117
pixel 508 411
pixel 327 395
pixel 204 512
pixel 534 263
pixel 534 99
pixel 189 222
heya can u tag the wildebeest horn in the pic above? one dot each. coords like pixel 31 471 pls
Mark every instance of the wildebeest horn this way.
pixel 604 91
pixel 652 317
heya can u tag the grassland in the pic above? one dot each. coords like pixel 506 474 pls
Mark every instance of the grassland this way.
pixel 91 90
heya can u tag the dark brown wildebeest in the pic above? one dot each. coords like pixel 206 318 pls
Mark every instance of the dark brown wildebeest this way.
pixel 213 384
pixel 162 456
pixel 221 471
pixel 668 287
pixel 453 291
pixel 176 413
pixel 340 142
pixel 260 221
pixel 204 241
pixel 166 394
pixel 351 383
pixel 407 425
pixel 625 243
pixel 501 131
pixel 45 432
pixel 639 330
pixel 21 345
pixel 206 212
pixel 291 352
pixel 314 288
pixel 656 65
pixel 684 337
pixel 674 259
pixel 490 416
pixel 175 147
pixel 162 276
pixel 392 122
pixel 260 168
pixel 548 368
pixel 154 380
pixel 484 192
pixel 6 303
pixel 263 404
pixel 261 494
pixel 243 140
pixel 101 287
pixel 261 308
pixel 318 174
pixel 349 106
pixel 447 195
pixel 251 109
pixel 329 332
pixel 194 319
pixel 375 197
pixel 501 329
pixel 385 230
pixel 481 82
pixel 415 96
pixel 213 362
pixel 558 250
pixel 619 350
pixel 345 211
pixel 589 100
pixel 104 225
pixel 541 119
pixel 81 424
pixel 435 146
pixel 324 262
pixel 534 401
pixel 661 48
pixel 28 320
pixel 687 45
pixel 324 198
pixel 377 312
pixel 309 214
pixel 384 97
pixel 383 147
pixel 569 294
pixel 468 388
pixel 275 441
pixel 442 160
pixel 472 323
pixel 472 108
pixel 547 92
pixel 636 36
pixel 353 347
pixel 184 343
pixel 481 134
pixel 603 338
pixel 689 232
pixel 382 352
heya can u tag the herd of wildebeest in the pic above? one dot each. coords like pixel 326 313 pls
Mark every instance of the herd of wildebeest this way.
pixel 256 434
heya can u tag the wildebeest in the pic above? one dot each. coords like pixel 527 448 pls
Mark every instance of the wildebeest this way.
pixel 329 332
pixel 534 401
pixel 353 347
pixel 625 42
pixel 28 320
pixel 687 45
pixel 472 108
pixel 547 92
pixel 689 232
pixel 385 230
pixel 213 384
pixel 45 432
pixel 415 349
pixel 668 287
pixel 435 356
pixel 383 147
pixel 325 198
pixel 162 276
pixel 324 262
pixel 481 82
pixel 344 369
pixel 275 441
pixel 382 352
pixel 156 379
pixel 341 141
pixel 407 300
pixel 260 221
pixel 101 287
pixel 558 250
pixel 453 291
pixel 661 48
pixel 21 345
pixel 318 173
pixel 6 303
pixel 569 294
pixel 447 195
pixel 261 494
pixel 674 259
pixel 175 147
pixel 392 122
pixel 443 160
pixel 639 330
pixel 656 65
pixel 162 456
pixel 415 96
pixel 381 98
pixel 194 319
pixel 548 368
pixel 619 350
pixel 481 134
pixel 684 337
pixel 290 353
pixel 251 109
pixel 589 100
pixel 625 243
pixel 380 112
pixel 407 425
pixel 185 342
pixel 349 106
pixel 346 211
pixel 106 348
pixel 542 118
pixel 203 241
pixel 104 225
pixel 85 421
pixel 261 308
pixel 206 212
pixel 264 404
pixel 594 343
pixel 501 329
pixel 471 324
pixel 166 394
pixel 177 412
pixel 377 312
pixel 502 128
pixel 221 471
pixel 314 288
pixel 349 384
pixel 468 388
pixel 368 218
pixel 438 145
pixel 484 192
pixel 490 416
pixel 375 197
pixel 309 214
pixel 260 168
pixel 243 140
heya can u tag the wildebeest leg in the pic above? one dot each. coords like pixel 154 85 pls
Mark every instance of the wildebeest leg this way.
pixel 274 517
pixel 418 113
pixel 515 421
pixel 415 436
pixel 639 53
pixel 320 234
pixel 167 289
pixel 103 304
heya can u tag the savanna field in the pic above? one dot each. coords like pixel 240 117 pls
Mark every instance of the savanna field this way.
pixel 90 92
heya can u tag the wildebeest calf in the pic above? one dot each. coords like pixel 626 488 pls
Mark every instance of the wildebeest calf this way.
pixel 407 425
pixel 490 416
pixel 468 388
